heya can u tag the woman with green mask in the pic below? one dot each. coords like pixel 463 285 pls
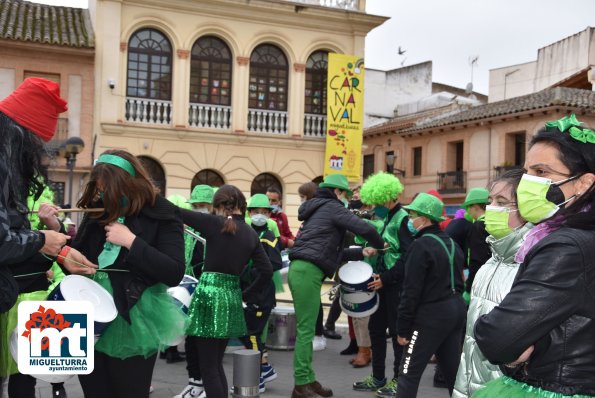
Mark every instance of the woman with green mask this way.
pixel 493 280
pixel 542 333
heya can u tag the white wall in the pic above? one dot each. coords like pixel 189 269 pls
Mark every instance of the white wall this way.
pixel 7 82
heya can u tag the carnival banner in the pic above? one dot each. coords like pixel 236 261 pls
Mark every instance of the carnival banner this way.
pixel 345 116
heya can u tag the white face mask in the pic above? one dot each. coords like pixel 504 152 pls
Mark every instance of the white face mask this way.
pixel 201 210
pixel 259 219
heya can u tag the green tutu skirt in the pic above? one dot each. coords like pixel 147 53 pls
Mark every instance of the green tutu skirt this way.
pixel 216 307
pixel 506 387
pixel 8 322
pixel 155 320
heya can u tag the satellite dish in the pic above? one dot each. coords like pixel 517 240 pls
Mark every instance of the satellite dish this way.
pixel 469 88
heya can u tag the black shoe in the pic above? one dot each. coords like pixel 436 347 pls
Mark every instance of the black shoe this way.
pixel 439 380
pixel 58 391
pixel 351 348
pixel 331 334
pixel 173 357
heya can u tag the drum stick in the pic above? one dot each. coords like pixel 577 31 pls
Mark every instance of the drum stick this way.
pixel 195 236
pixel 334 288
pixel 77 210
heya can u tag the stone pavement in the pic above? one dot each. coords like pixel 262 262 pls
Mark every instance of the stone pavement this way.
pixel 333 370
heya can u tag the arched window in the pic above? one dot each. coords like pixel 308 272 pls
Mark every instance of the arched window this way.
pixel 316 78
pixel 207 177
pixel 210 72
pixel 155 171
pixel 263 181
pixel 149 65
pixel 268 78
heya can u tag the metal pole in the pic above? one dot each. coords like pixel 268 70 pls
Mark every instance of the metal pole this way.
pixel 70 162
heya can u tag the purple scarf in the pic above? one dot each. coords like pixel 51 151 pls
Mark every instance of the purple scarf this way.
pixel 536 234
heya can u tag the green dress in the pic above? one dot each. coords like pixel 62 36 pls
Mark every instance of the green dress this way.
pixel 216 308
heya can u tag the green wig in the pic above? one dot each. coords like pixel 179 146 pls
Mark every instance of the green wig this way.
pixel 46 197
pixel 380 188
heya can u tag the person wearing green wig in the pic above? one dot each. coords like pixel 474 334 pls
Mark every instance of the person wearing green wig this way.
pixel 431 314
pixel 382 190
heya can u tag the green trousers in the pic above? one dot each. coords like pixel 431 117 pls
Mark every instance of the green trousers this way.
pixel 305 280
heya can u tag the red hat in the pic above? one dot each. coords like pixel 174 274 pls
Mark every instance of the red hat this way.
pixel 35 105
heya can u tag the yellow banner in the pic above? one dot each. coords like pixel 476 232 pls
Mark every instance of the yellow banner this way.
pixel 345 116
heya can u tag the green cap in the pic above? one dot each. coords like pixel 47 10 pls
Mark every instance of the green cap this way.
pixel 202 194
pixel 336 181
pixel 259 201
pixel 427 205
pixel 476 195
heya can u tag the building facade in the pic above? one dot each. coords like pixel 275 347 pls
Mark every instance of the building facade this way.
pixel 55 43
pixel 221 91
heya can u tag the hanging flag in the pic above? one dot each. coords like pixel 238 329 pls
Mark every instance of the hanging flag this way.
pixel 345 116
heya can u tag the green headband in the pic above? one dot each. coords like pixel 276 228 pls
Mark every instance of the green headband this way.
pixel 572 125
pixel 117 161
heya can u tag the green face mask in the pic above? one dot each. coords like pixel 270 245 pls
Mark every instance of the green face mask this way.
pixel 496 221
pixel 533 194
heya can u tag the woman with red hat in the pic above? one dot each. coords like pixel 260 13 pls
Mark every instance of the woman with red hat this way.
pixel 28 117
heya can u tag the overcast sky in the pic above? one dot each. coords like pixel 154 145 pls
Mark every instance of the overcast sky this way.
pixel 450 32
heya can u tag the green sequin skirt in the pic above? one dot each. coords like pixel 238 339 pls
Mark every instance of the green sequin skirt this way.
pixel 8 322
pixel 216 307
pixel 155 320
pixel 506 387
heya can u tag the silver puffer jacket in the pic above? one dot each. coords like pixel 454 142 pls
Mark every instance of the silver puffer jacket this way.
pixel 492 282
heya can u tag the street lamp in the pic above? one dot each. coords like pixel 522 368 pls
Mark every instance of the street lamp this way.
pixel 390 164
pixel 69 149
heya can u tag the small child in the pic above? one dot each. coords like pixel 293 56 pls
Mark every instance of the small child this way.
pixel 257 314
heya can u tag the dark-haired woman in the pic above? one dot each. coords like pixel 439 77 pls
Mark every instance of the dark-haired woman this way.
pixel 543 332
pixel 138 244
pixel 216 312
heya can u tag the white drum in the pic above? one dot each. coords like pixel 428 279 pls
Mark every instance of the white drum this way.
pixel 356 299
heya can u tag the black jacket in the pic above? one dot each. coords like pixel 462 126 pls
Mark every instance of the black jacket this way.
pixel 321 237
pixel 551 306
pixel 428 276
pixel 479 250
pixel 156 255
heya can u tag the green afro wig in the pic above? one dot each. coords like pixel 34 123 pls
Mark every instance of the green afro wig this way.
pixel 179 201
pixel 46 197
pixel 380 188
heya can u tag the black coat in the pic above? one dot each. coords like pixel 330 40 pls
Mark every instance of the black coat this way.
pixel 428 276
pixel 552 306
pixel 321 237
pixel 156 255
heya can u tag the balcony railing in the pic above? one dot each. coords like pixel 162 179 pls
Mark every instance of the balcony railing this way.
pixel 314 125
pixel 267 121
pixel 499 170
pixel 148 111
pixel 342 4
pixel 209 116
pixel 452 182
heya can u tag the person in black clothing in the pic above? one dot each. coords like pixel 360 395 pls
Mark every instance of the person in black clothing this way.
pixel 317 253
pixel 431 313
pixel 257 313
pixel 478 250
pixel 216 312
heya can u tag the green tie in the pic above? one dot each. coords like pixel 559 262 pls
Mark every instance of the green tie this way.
pixel 110 251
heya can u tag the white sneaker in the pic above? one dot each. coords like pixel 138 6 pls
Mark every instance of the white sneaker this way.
pixel 319 343
pixel 194 389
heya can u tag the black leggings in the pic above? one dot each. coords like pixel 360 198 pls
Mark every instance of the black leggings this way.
pixel 210 358
pixel 119 378
pixel 384 318
pixel 192 362
pixel 436 329
pixel 21 386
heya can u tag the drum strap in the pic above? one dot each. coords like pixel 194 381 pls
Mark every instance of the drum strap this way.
pixel 451 258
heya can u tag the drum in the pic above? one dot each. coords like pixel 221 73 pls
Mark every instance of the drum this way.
pixel 282 329
pixel 355 298
pixel 182 294
pixel 81 288
pixel 13 346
